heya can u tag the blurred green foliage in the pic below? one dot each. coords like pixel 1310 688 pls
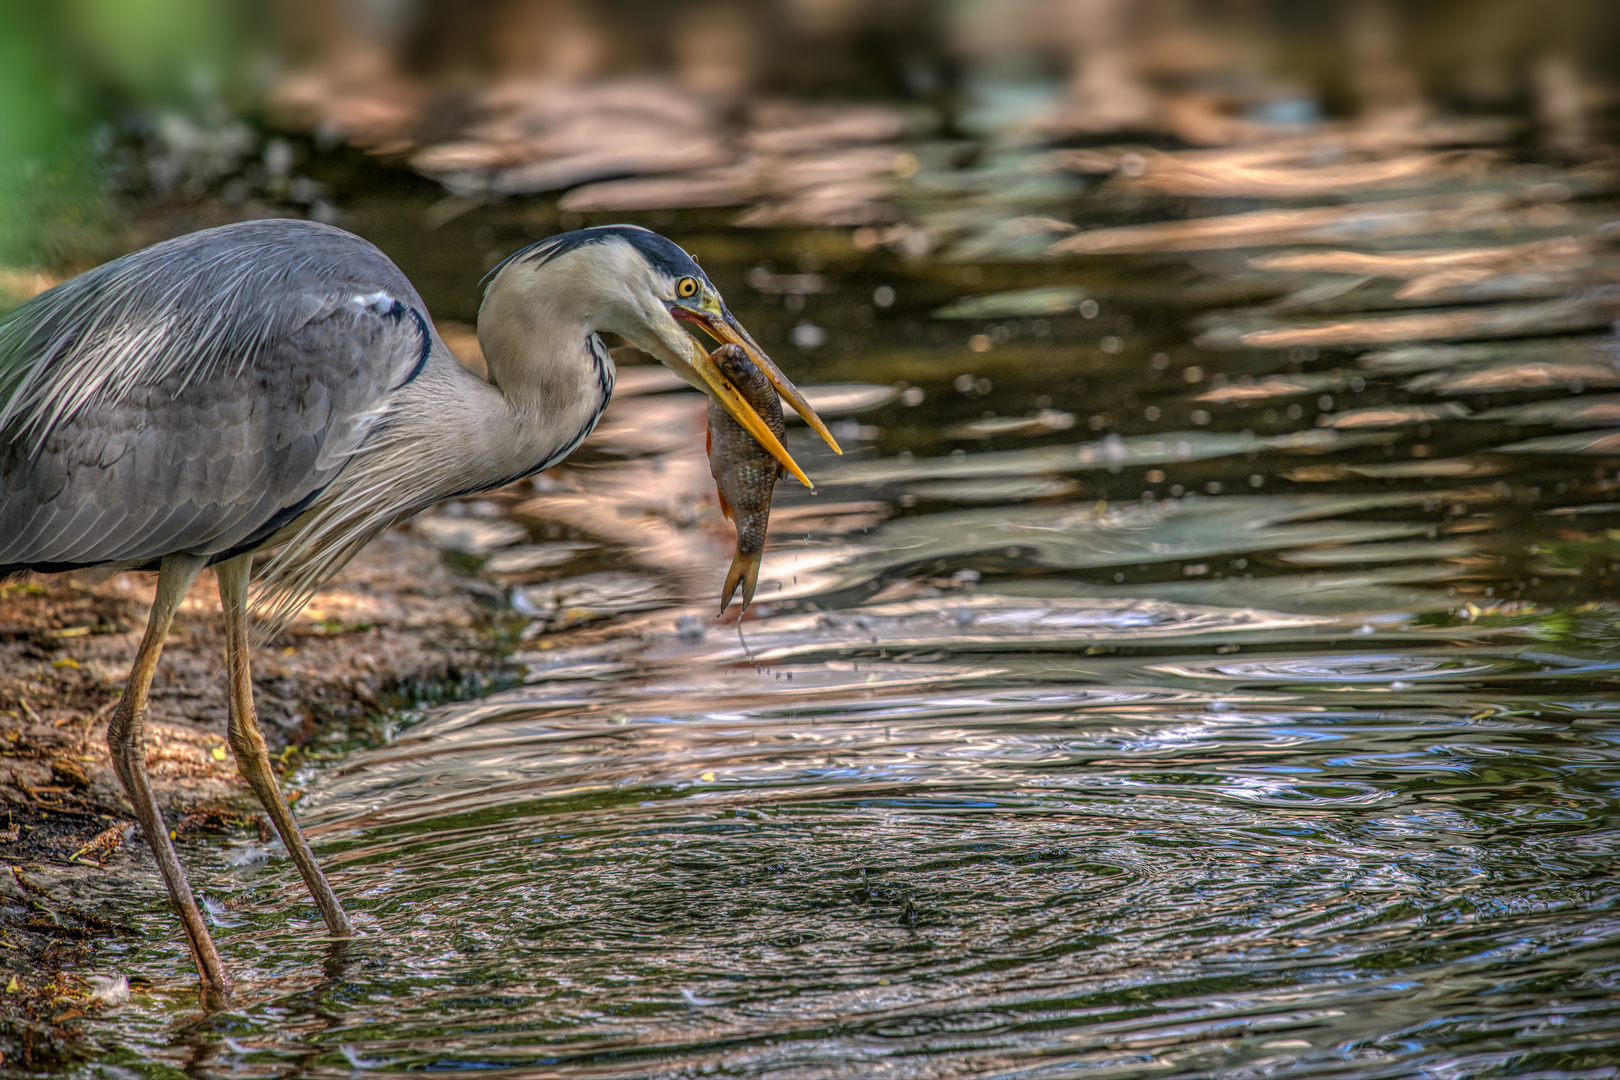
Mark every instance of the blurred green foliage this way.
pixel 155 50
pixel 68 71
pixel 44 153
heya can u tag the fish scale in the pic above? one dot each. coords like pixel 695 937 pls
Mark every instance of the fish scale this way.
pixel 744 472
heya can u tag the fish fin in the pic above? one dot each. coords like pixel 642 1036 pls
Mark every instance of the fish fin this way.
pixel 745 572
pixel 725 507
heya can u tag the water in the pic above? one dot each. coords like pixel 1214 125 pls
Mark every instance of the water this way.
pixel 1199 712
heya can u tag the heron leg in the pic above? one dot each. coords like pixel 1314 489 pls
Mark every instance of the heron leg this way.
pixel 252 756
pixel 126 740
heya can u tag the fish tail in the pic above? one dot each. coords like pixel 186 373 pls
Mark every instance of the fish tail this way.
pixel 744 572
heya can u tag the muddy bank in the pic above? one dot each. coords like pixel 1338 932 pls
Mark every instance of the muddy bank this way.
pixel 397 627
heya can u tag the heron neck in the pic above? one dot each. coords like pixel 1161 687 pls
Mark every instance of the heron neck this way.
pixel 554 386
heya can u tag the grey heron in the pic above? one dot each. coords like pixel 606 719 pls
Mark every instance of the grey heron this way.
pixel 279 385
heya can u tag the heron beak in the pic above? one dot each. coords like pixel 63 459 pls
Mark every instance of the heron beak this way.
pixel 721 325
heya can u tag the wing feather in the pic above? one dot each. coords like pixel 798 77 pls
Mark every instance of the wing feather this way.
pixel 191 395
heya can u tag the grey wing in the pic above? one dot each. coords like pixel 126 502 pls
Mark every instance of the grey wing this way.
pixel 197 395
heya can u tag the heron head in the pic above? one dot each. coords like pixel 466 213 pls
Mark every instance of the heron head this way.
pixel 629 281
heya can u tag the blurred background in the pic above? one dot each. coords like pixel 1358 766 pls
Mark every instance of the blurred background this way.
pixel 109 108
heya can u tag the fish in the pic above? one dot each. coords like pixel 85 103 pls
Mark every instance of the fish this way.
pixel 744 472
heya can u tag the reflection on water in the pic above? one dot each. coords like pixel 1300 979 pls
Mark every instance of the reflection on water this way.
pixel 1162 685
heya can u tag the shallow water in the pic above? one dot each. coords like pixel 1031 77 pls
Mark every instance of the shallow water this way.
pixel 1198 711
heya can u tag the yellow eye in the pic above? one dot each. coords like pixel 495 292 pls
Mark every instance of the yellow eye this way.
pixel 686 288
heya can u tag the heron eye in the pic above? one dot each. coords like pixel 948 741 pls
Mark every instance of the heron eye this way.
pixel 686 288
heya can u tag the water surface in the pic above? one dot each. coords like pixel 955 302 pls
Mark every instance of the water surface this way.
pixel 1130 701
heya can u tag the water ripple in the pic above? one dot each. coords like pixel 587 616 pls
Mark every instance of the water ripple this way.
pixel 929 882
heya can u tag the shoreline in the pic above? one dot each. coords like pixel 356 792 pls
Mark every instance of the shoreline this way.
pixel 396 628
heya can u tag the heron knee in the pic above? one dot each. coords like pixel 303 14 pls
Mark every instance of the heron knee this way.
pixel 247 742
pixel 125 741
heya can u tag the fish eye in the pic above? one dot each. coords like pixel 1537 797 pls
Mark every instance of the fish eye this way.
pixel 686 288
